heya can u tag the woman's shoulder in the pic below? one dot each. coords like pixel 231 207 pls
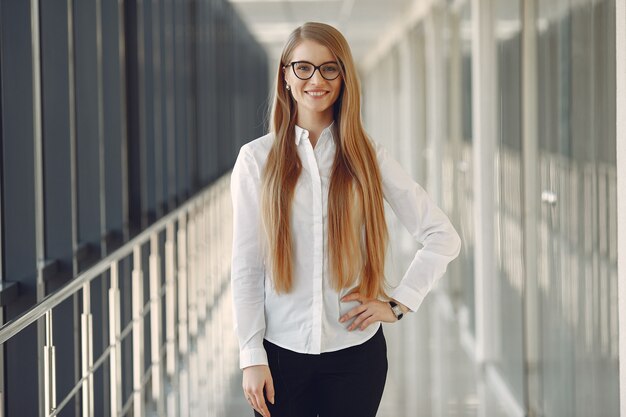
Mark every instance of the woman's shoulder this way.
pixel 253 155
pixel 259 148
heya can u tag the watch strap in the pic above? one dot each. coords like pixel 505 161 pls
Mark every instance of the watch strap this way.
pixel 397 311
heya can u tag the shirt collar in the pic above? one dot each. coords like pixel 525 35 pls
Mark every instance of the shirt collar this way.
pixel 303 133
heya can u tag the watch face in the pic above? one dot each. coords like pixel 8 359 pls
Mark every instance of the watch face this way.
pixel 397 311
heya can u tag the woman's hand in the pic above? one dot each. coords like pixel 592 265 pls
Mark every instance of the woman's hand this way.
pixel 370 311
pixel 255 378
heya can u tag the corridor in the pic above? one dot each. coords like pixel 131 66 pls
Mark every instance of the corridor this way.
pixel 120 124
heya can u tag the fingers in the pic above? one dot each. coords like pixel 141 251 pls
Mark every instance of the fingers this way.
pixel 256 400
pixel 354 296
pixel 257 380
pixel 355 311
pixel 261 407
pixel 362 317
pixel 367 322
pixel 269 390
pixel 251 399
pixel 368 313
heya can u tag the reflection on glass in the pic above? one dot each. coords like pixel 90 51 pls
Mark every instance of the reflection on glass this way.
pixel 509 203
pixel 577 216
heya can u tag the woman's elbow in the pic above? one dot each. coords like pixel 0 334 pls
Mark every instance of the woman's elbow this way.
pixel 455 242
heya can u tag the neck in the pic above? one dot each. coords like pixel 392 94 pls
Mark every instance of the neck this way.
pixel 314 122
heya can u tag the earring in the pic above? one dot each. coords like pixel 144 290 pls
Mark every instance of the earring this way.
pixel 287 87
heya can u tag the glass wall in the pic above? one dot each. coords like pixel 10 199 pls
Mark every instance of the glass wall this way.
pixel 508 222
pixel 457 173
pixel 112 114
pixel 578 220
pixel 450 94
pixel 465 168
pixel 565 214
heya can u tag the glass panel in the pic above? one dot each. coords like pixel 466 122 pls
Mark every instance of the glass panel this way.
pixel 18 211
pixel 450 95
pixel 457 158
pixel 418 97
pixel 509 199
pixel 577 262
pixel 464 184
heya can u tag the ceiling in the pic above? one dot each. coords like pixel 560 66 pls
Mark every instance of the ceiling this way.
pixel 363 22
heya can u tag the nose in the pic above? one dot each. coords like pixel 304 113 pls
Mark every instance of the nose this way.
pixel 317 76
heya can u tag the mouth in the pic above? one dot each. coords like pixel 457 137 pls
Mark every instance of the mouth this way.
pixel 316 93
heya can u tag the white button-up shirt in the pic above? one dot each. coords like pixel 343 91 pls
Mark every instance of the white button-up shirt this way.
pixel 306 320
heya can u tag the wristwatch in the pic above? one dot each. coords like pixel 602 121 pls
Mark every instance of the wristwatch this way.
pixel 397 311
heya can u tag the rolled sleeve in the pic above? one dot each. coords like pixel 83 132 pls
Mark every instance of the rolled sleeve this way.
pixel 247 265
pixel 427 224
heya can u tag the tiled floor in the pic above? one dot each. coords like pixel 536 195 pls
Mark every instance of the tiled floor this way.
pixel 430 374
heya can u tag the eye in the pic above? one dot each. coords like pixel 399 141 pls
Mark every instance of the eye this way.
pixel 303 67
pixel 330 69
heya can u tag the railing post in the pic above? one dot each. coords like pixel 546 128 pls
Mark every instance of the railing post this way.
pixel 170 316
pixel 86 328
pixel 192 267
pixel 224 212
pixel 182 285
pixel 138 333
pixel 225 232
pixel 155 322
pixel 204 340
pixel 114 335
pixel 183 333
pixel 203 260
pixel 49 371
pixel 214 288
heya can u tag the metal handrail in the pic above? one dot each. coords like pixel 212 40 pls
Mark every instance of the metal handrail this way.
pixel 16 325
pixel 196 262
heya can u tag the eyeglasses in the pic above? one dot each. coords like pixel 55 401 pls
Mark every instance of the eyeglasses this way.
pixel 305 70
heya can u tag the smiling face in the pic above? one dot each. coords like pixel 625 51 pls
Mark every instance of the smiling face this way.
pixel 314 97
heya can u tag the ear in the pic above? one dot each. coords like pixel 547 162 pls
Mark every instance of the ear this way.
pixel 286 74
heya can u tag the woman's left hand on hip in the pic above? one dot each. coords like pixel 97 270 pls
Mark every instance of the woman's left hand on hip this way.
pixel 370 311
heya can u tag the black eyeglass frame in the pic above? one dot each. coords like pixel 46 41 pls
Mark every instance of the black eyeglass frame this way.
pixel 317 68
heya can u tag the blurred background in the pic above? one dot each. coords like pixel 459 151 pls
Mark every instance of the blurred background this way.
pixel 120 121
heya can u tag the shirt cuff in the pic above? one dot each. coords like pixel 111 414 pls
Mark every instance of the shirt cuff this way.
pixel 407 296
pixel 251 357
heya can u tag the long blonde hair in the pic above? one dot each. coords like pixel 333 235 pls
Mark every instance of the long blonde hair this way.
pixel 357 232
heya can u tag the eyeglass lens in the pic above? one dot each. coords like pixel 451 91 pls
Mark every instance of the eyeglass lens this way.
pixel 305 70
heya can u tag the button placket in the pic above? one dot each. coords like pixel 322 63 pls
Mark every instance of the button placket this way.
pixel 318 250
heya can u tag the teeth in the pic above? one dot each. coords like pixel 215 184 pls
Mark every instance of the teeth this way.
pixel 316 93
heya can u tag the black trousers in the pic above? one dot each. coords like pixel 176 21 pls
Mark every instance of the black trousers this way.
pixel 344 383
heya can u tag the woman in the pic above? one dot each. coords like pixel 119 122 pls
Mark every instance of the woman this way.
pixel 310 237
